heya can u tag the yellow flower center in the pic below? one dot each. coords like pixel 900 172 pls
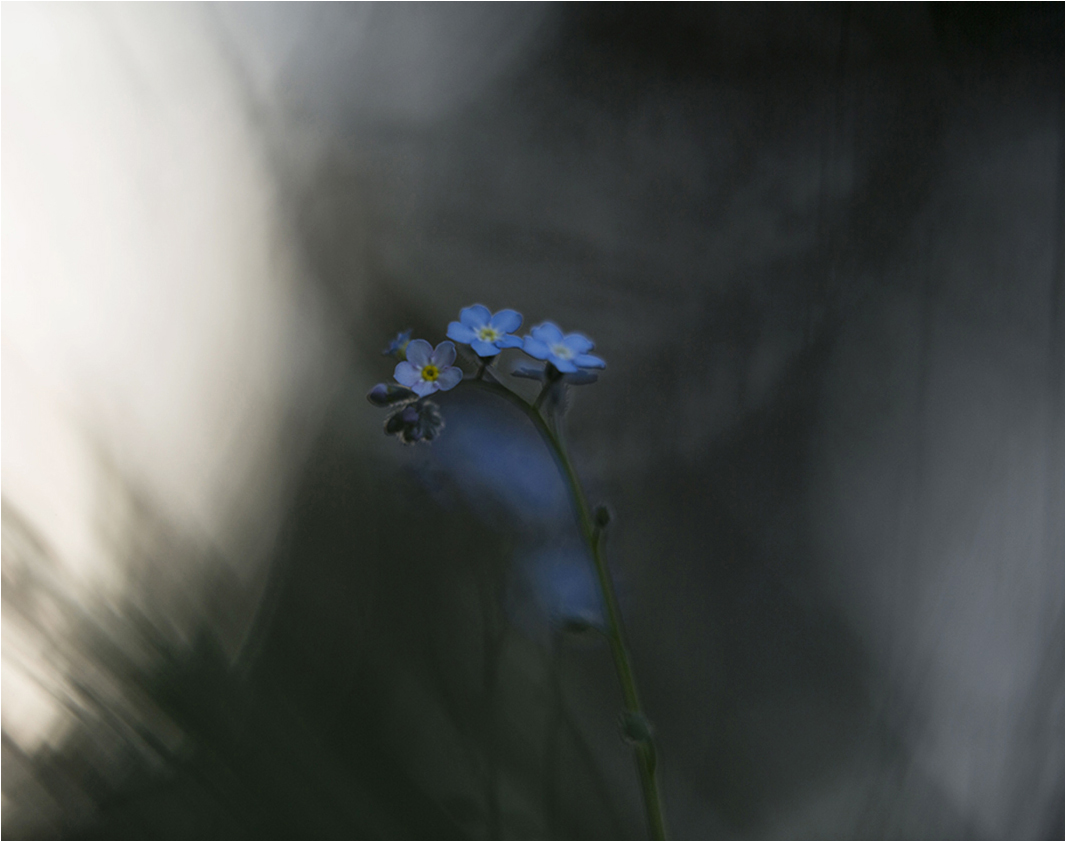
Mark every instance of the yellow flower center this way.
pixel 488 334
pixel 430 372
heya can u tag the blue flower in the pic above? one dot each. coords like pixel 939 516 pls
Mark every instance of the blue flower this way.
pixel 485 333
pixel 398 346
pixel 567 353
pixel 426 370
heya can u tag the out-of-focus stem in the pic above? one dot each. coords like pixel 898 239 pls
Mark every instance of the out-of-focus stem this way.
pixel 644 749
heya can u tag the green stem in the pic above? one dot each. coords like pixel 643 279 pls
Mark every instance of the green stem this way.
pixel 645 751
pixel 540 398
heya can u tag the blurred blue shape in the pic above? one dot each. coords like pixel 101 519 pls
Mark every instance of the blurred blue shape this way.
pixel 554 587
pixel 507 475
pixel 502 468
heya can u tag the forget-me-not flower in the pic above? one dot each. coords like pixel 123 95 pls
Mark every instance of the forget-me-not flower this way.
pixel 487 334
pixel 567 353
pixel 427 369
pixel 398 346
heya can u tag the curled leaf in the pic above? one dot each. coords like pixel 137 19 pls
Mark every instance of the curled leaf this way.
pixel 414 423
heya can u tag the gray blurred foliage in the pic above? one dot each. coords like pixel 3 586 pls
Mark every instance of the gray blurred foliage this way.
pixel 821 250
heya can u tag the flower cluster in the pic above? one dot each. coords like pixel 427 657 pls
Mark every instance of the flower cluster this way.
pixel 422 369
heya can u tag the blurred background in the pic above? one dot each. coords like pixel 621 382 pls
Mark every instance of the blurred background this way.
pixel 821 250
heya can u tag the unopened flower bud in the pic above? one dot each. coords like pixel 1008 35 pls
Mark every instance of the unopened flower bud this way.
pixel 387 394
pixel 635 727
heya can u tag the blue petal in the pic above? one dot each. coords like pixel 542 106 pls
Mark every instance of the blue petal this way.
pixel 536 349
pixel 484 349
pixel 589 361
pixel 498 459
pixel 548 333
pixel 461 333
pixel 509 342
pixel 506 321
pixel 449 378
pixel 565 366
pixel 444 355
pixel 425 387
pixel 475 316
pixel 578 343
pixel 418 351
pixel 407 374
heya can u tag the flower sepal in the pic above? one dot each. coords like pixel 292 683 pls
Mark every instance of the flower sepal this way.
pixel 529 372
pixel 575 378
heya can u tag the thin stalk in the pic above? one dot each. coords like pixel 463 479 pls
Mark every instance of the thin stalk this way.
pixel 492 644
pixel 645 750
pixel 543 394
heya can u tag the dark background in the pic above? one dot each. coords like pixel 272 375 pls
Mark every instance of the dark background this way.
pixel 821 250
